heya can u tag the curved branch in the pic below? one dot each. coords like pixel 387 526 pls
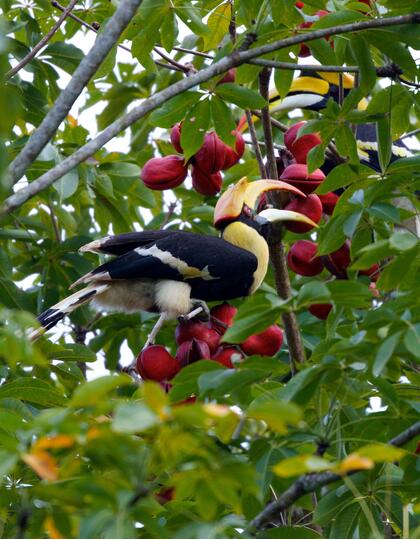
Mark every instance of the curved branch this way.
pixel 86 69
pixel 234 59
pixel 308 483
pixel 31 54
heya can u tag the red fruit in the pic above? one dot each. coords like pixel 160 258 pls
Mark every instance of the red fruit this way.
pixel 211 156
pixel 302 258
pixel 224 313
pixel 338 261
pixel 266 343
pixel 165 495
pixel 186 331
pixel 372 272
pixel 297 175
pixel 191 351
pixel 176 137
pixel 204 183
pixel 320 310
pixel 329 200
pixel 304 49
pixel 229 77
pixel 156 364
pixel 227 356
pixel 310 207
pixel 300 146
pixel 299 5
pixel 164 173
pixel 233 156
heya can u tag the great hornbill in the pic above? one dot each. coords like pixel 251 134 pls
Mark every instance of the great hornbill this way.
pixel 169 271
pixel 311 91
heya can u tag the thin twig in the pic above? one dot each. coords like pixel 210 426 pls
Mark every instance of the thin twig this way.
pixel 255 143
pixel 41 44
pixel 54 223
pixel 277 253
pixel 171 209
pixel 95 29
pixel 389 70
pixel 308 483
pixel 234 59
pixel 81 76
pixel 173 63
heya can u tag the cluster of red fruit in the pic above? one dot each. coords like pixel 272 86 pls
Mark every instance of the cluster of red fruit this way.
pixel 198 340
pixel 214 156
pixel 302 257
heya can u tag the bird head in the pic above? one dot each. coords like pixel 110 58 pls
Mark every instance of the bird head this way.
pixel 238 203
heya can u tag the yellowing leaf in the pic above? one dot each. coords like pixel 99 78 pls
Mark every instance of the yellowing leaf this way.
pixel 218 25
pixel 297 465
pixel 51 529
pixel 380 452
pixel 213 409
pixel 72 123
pixel 43 464
pixel 54 441
pixel 354 462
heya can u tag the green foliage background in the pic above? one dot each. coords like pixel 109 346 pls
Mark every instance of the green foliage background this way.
pixel 87 459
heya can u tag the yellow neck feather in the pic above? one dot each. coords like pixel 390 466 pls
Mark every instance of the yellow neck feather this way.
pixel 246 237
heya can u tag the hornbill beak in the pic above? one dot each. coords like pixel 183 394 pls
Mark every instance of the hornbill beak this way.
pixel 245 194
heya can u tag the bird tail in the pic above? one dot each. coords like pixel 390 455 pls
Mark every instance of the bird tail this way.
pixel 51 316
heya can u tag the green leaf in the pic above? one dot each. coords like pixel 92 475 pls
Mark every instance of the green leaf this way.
pixel 73 352
pixel 90 393
pixel 66 186
pixel 64 55
pixel 194 127
pixel 383 135
pixel 13 297
pixel 384 353
pixel 254 315
pixel 350 293
pixel 133 417
pixel 33 390
pixel 7 462
pixel 403 241
pixel 169 31
pixel 380 453
pixel 289 532
pixel 361 52
pixel 218 24
pixel 276 414
pixel 297 465
pixel 223 120
pixel 240 96
pixel 174 109
pixel 340 176
pixel 311 293
pixel 408 164
pixel 412 342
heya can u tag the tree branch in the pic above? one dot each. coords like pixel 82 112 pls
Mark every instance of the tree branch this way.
pixel 236 58
pixel 255 143
pixel 389 70
pixel 277 253
pixel 95 29
pixel 41 44
pixel 87 67
pixel 311 482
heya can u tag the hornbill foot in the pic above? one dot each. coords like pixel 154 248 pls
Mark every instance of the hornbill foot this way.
pixel 200 312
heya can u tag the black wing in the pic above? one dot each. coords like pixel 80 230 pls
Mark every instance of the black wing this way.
pixel 123 243
pixel 214 268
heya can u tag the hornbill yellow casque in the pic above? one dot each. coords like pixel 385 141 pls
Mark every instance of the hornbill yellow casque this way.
pixel 169 271
pixel 312 90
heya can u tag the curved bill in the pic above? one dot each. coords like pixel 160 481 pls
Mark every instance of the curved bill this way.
pixel 231 203
pixel 273 215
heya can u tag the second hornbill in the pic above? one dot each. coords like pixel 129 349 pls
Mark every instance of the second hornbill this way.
pixel 170 272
